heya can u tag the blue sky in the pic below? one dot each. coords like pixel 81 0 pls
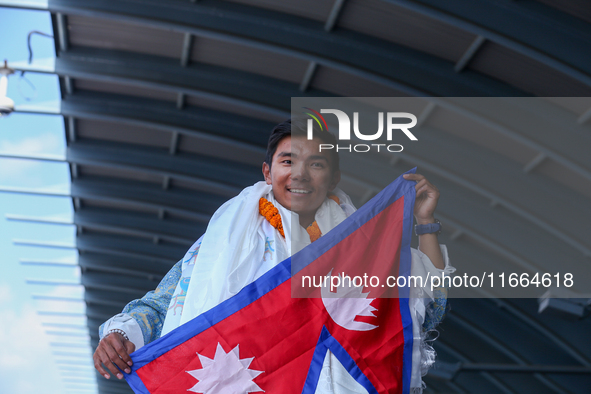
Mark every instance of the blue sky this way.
pixel 28 363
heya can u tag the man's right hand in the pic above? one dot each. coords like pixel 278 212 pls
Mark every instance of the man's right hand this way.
pixel 113 350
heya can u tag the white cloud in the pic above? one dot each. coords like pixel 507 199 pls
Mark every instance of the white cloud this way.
pixel 48 142
pixel 26 363
pixel 15 168
pixel 58 187
pixel 5 294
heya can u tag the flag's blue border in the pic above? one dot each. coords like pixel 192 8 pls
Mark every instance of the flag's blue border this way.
pixel 283 271
pixel 404 292
pixel 325 343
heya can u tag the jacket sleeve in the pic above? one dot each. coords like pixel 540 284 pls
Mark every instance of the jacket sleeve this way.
pixel 142 319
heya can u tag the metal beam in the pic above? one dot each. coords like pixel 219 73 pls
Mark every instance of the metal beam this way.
pixel 47 220
pixel 128 223
pixel 499 384
pixel 46 108
pixel 585 116
pixel 538 31
pixel 135 267
pixel 242 136
pixel 536 325
pixel 69 86
pixel 133 286
pixel 535 162
pixel 69 362
pixel 64 325
pixel 186 52
pixel 35 192
pixel 507 184
pixel 60 313
pixel 336 10
pixel 55 298
pixel 156 72
pixel 120 222
pixel 217 176
pixel 108 298
pixel 259 95
pixel 509 350
pixel 425 113
pixel 68 333
pixel 62 32
pixel 45 262
pixel 72 132
pixel 520 244
pixel 538 133
pixel 118 226
pixel 197 206
pixel 81 368
pixel 38 157
pixel 524 264
pixel 103 311
pixel 554 369
pixel 50 282
pixel 25 4
pixel 126 246
pixel 180 100
pixel 45 244
pixel 81 380
pixel 113 386
pixel 353 53
pixel 310 71
pixel 469 54
pixel 117 246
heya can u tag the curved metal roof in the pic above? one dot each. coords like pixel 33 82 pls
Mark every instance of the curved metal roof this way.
pixel 168 106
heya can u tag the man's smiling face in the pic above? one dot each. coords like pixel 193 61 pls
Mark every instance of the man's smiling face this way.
pixel 301 176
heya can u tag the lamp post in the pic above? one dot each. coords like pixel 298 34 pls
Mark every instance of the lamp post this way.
pixel 6 104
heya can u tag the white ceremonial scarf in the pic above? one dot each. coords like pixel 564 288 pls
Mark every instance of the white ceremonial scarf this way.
pixel 235 250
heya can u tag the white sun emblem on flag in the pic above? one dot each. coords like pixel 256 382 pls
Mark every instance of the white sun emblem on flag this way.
pixel 348 302
pixel 226 373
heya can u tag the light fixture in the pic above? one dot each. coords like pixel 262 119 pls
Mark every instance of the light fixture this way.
pixel 563 303
pixel 6 104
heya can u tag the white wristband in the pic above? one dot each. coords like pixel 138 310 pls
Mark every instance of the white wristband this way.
pixel 118 331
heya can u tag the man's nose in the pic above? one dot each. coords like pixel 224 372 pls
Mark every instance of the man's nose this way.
pixel 299 172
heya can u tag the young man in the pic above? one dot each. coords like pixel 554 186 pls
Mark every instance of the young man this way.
pixel 250 234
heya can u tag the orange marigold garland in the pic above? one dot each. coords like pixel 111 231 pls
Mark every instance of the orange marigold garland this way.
pixel 314 231
pixel 268 210
pixel 334 198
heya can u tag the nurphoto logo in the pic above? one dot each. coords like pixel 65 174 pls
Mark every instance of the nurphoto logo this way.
pixel 392 124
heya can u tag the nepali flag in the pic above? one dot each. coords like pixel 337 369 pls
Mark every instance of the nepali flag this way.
pixel 275 334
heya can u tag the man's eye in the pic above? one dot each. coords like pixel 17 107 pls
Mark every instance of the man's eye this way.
pixel 319 165
pixel 286 161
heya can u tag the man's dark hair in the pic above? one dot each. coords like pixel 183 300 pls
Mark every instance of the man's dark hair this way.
pixel 297 127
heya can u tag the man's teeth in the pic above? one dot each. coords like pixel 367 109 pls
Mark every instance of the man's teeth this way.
pixel 301 191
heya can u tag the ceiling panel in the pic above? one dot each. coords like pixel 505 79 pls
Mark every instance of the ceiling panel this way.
pixel 525 73
pixel 392 23
pixel 108 33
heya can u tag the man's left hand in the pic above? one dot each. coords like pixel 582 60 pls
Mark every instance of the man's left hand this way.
pixel 426 200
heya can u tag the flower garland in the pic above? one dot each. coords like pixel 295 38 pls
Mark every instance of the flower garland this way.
pixel 314 231
pixel 268 210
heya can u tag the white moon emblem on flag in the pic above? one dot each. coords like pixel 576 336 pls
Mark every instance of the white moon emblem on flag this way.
pixel 347 303
pixel 226 373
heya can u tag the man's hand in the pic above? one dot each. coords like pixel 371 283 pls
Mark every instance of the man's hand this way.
pixel 113 350
pixel 426 200
pixel 425 204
